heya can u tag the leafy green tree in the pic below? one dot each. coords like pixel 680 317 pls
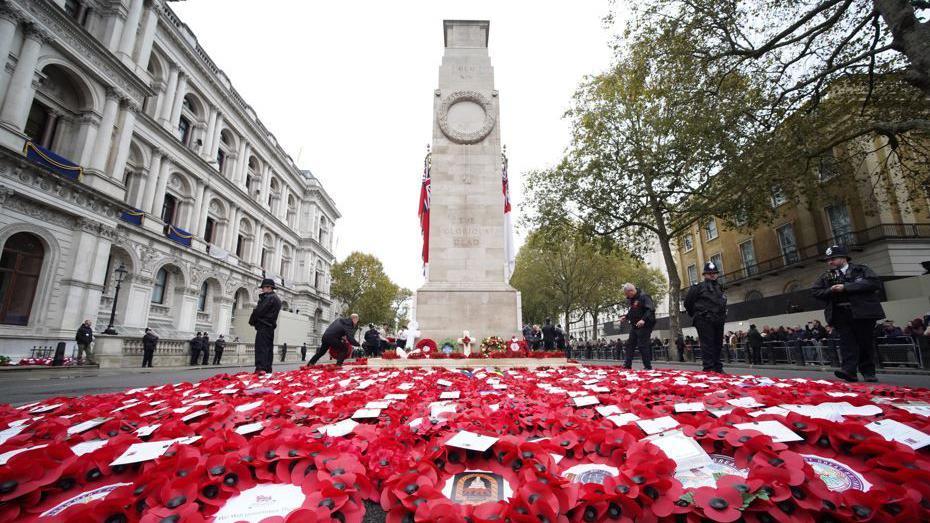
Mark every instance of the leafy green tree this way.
pixel 843 84
pixel 362 287
pixel 649 140
pixel 559 271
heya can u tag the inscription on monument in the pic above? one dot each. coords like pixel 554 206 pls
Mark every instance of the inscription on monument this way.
pixel 469 71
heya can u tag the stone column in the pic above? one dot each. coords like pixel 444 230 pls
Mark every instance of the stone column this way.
pixel 151 181
pixel 98 159
pixel 87 263
pixel 137 290
pixel 243 162
pixel 125 138
pixel 208 135
pixel 159 198
pixel 9 21
pixel 266 186
pixel 21 91
pixel 194 224
pixel 215 142
pixel 204 212
pixel 178 101
pixel 89 122
pixel 167 103
pixel 50 124
pixel 127 40
pixel 258 244
pixel 149 25
pixel 234 231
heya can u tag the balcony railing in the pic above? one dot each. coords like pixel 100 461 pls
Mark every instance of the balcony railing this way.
pixel 854 240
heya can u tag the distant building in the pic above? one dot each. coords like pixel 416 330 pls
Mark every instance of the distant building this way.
pixel 123 144
pixel 768 270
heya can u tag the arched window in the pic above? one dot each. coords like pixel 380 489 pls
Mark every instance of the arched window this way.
pixel 158 289
pixel 20 266
pixel 202 300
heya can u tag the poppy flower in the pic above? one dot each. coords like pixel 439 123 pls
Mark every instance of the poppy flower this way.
pixel 721 505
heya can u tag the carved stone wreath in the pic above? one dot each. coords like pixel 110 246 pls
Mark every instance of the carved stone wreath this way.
pixel 458 135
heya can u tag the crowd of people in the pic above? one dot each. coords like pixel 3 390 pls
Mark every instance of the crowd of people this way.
pixel 802 342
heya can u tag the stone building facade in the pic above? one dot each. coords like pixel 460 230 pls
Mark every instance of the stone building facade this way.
pixel 122 144
pixel 870 205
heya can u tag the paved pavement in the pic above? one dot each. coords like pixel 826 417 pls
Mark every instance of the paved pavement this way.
pixel 908 379
pixel 26 386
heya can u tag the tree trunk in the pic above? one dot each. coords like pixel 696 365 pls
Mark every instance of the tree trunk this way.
pixel 910 36
pixel 674 296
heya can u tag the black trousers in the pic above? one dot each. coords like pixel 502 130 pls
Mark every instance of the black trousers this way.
pixel 147 356
pixel 710 334
pixel 217 354
pixel 264 349
pixel 857 343
pixel 205 356
pixel 325 345
pixel 195 356
pixel 303 353
pixel 639 339
pixel 283 355
pixel 756 354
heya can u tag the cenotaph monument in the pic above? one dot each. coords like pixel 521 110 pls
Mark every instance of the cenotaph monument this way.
pixel 466 287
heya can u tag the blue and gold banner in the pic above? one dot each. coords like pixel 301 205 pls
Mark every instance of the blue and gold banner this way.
pixel 133 216
pixel 178 235
pixel 62 166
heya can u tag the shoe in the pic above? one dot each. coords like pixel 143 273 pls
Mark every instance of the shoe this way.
pixel 843 376
pixel 871 379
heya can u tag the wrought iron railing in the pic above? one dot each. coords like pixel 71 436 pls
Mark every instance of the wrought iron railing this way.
pixel 854 240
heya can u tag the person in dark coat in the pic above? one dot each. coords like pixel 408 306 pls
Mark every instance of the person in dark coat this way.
pixel 642 318
pixel 265 320
pixel 707 305
pixel 218 347
pixel 84 337
pixel 283 352
pixel 371 341
pixel 559 338
pixel 205 349
pixel 195 348
pixel 149 341
pixel 852 296
pixel 754 338
pixel 303 351
pixel 339 331
pixel 680 347
pixel 548 335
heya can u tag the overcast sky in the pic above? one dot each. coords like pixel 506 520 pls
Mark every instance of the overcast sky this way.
pixel 347 88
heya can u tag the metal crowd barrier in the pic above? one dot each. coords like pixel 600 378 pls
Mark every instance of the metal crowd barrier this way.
pixel 899 351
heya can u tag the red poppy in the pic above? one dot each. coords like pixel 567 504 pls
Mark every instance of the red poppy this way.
pixel 719 504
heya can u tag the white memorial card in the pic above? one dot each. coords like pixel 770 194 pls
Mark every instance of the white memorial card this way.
pixel 657 425
pixel 893 430
pixel 778 432
pixel 471 441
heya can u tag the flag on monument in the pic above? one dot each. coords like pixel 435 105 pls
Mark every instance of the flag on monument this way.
pixel 424 210
pixel 509 251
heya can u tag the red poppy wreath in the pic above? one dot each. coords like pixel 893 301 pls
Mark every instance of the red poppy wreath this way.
pixel 559 444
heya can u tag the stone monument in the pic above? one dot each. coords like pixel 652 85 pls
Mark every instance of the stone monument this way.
pixel 466 287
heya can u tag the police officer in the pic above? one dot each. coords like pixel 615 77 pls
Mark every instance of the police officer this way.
pixel 642 318
pixel 707 305
pixel 265 320
pixel 853 304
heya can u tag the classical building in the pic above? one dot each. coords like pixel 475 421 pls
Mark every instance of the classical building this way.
pixel 123 145
pixel 868 205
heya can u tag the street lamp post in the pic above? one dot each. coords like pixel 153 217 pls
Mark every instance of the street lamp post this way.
pixel 120 273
